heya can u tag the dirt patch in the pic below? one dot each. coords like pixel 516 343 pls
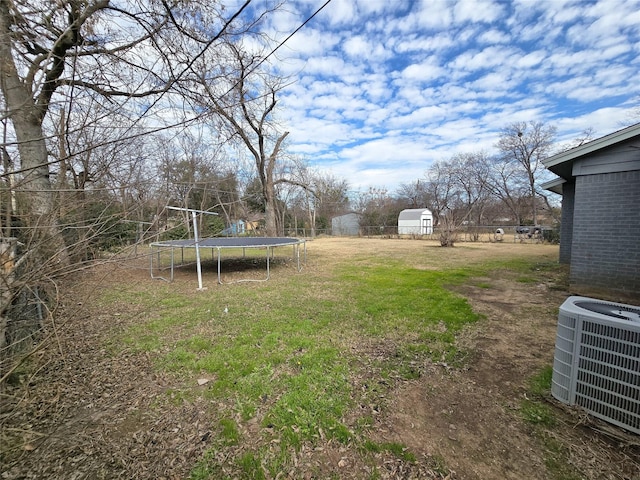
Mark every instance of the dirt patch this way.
pixel 89 413
pixel 471 417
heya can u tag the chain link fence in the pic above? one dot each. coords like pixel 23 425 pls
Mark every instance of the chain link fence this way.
pixel 22 306
pixel 485 233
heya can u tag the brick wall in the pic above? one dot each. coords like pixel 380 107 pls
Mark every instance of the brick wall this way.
pixel 566 224
pixel 605 248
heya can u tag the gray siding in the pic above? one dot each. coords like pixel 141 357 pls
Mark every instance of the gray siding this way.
pixel 346 225
pixel 605 249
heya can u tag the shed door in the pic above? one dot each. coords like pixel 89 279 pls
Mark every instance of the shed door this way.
pixel 426 226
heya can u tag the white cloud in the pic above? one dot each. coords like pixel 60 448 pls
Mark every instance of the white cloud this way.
pixel 494 37
pixel 493 85
pixel 384 88
pixel 341 12
pixel 420 116
pixel 477 11
pixel 603 121
pixel 490 57
pixel 416 43
pixel 531 59
pixel 422 72
pixel 329 66
pixel 435 15
pixel 356 46
pixel 311 42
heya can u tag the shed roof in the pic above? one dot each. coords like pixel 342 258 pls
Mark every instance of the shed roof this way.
pixel 413 213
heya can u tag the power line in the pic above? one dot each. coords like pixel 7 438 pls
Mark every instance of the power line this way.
pixel 182 122
pixel 300 27
pixel 291 35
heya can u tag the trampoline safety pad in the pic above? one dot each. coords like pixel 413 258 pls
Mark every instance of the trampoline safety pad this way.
pixel 218 245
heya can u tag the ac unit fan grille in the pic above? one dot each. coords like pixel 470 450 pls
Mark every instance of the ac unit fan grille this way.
pixel 608 378
pixel 597 361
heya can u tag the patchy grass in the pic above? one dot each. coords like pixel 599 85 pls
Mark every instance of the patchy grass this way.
pixel 534 408
pixel 541 416
pixel 284 354
pixel 540 385
pixel 557 459
pixel 537 413
pixel 397 449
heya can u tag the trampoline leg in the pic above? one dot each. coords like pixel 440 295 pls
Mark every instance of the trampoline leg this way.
pixel 172 262
pixel 151 256
pixel 151 263
pixel 268 271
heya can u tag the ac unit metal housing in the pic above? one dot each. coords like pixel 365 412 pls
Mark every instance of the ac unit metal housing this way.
pixel 597 360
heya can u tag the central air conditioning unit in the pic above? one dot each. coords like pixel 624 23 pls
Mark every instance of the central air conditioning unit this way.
pixel 597 360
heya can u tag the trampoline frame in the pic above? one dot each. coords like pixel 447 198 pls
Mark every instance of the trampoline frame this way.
pixel 218 244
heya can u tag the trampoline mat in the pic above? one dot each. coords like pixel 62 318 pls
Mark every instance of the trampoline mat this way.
pixel 230 242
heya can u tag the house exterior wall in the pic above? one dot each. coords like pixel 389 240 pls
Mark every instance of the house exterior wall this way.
pixel 566 224
pixel 346 225
pixel 605 248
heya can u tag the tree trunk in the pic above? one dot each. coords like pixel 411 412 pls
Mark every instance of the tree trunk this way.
pixel 27 118
pixel 268 185
pixel 270 220
pixel 534 206
pixel 312 215
pixel 42 215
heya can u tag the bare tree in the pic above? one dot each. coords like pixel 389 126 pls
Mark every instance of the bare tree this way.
pixel 245 101
pixel 57 61
pixel 507 184
pixel 444 202
pixel 99 163
pixel 457 193
pixel 332 199
pixel 583 137
pixel 227 196
pixel 378 211
pixel 304 196
pixel 50 51
pixel 470 173
pixel 414 194
pixel 321 196
pixel 632 116
pixel 525 145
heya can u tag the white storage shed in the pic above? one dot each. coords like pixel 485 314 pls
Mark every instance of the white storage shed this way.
pixel 415 221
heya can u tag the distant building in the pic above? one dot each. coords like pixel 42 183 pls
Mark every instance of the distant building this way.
pixel 415 221
pixel 346 225
pixel 237 228
pixel 599 237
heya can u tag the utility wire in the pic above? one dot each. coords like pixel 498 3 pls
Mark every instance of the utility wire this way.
pixel 289 37
pixel 203 114
pixel 255 67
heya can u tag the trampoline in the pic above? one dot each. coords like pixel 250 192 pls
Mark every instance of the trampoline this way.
pixel 217 245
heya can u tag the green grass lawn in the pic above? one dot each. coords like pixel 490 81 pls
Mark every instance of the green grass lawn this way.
pixel 294 353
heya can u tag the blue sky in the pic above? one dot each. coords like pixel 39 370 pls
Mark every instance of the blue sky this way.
pixel 382 88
